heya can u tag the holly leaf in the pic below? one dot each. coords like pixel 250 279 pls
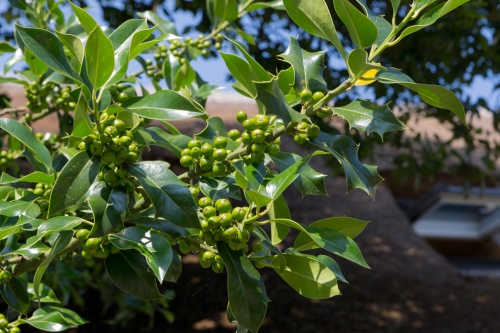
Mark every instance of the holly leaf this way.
pixel 169 195
pixel 345 150
pixel 434 95
pixel 246 290
pixel 73 182
pixel 109 207
pixel 362 30
pixel 367 116
pixel 274 101
pixel 314 17
pixel 14 293
pixel 151 244
pixel 164 105
pixel 309 181
pixel 309 277
pixel 130 272
pixel 308 67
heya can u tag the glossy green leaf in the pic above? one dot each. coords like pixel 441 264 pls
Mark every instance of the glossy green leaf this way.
pixel 330 240
pixel 358 64
pixel 28 139
pixel 257 71
pixel 73 182
pixel 129 271
pixel 53 319
pixel 331 264
pixel 37 67
pixel 270 95
pixel 363 32
pixel 274 4
pixel 146 218
pixel 222 10
pixel 384 28
pixel 175 269
pixel 31 250
pixel 434 95
pixel 34 177
pixel 6 47
pixel 166 27
pixel 173 143
pixel 73 44
pixel 431 16
pixel 348 226
pixel 126 37
pixel 99 57
pixel 246 291
pixel 308 277
pixel 61 243
pixel 58 224
pixel 309 181
pixel 308 67
pixel 279 210
pixel 109 207
pixel 367 116
pixel 82 126
pixel 47 47
pixel 170 196
pixel 14 293
pixel 345 150
pixel 261 235
pixel 86 20
pixel 22 206
pixel 178 74
pixel 151 244
pixel 220 188
pixel 163 105
pixel 276 186
pixel 314 17
pixel 46 294
pixel 241 71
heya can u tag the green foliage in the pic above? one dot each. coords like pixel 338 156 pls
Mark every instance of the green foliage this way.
pixel 92 198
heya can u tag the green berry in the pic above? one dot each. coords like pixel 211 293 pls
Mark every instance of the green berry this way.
pixel 305 95
pixel 186 161
pixel 249 124
pixel 93 243
pixel 207 150
pixel 82 234
pixel 246 138
pixel 108 157
pixel 258 135
pixel 206 164
pixel 223 205
pixel 317 96
pixel 258 246
pixel 234 134
pixel 119 125
pixel 209 211
pixel 226 219
pixel 241 116
pixel 313 131
pixel 220 154
pixel 196 152
pixel 220 142
pixel 204 202
pixel 261 121
pixel 194 143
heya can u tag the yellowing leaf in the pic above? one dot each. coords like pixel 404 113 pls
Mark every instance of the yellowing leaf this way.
pixel 367 77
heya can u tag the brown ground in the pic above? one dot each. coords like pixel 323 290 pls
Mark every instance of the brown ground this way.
pixel 409 289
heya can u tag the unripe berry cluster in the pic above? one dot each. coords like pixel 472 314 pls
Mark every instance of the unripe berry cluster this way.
pixel 5 276
pixel 95 247
pixel 207 157
pixel 117 149
pixel 257 135
pixel 179 48
pixel 7 160
pixel 48 96
pixel 5 327
pixel 122 92
pixel 304 131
